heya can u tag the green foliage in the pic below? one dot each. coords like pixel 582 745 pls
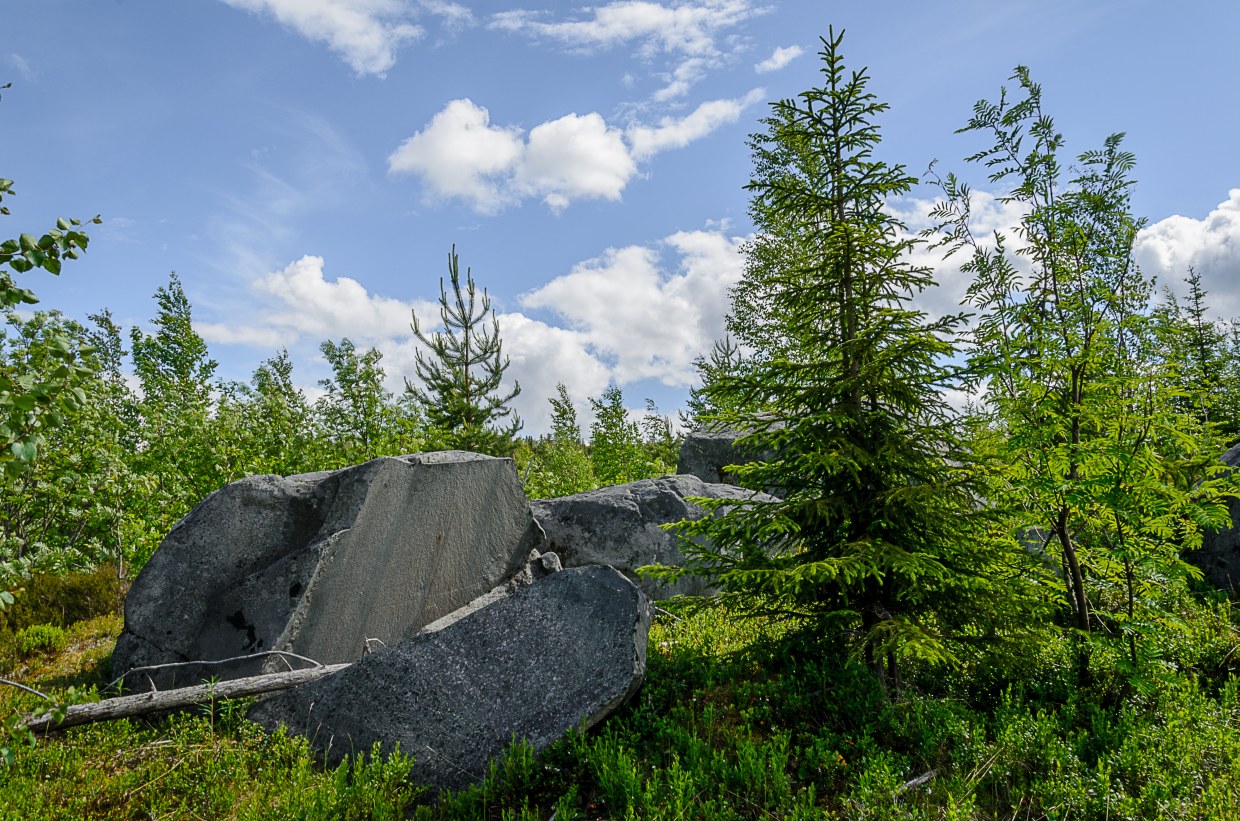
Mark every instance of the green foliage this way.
pixel 1100 452
pixel 59 599
pixel 40 638
pixel 876 529
pixel 462 373
pixel 557 465
pixel 725 360
pixel 616 452
pixel 360 419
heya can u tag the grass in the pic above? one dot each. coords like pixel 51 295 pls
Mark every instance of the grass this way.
pixel 736 720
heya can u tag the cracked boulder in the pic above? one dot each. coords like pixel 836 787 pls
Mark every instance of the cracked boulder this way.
pixel 320 565
pixel 619 526
pixel 561 653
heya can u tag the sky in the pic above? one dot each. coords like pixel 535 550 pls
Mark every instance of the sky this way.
pixel 307 166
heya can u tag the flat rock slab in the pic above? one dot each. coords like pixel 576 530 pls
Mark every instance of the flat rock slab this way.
pixel 1219 556
pixel 320 563
pixel 563 652
pixel 619 526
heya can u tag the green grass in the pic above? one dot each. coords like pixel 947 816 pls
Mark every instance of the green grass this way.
pixel 736 720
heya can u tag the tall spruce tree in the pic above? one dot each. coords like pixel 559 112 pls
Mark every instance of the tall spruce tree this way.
pixel 462 375
pixel 877 531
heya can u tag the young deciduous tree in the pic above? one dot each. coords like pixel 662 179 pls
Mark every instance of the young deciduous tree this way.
pixel 877 530
pixel 616 452
pixel 359 417
pixel 461 377
pixel 1099 457
pixel 558 465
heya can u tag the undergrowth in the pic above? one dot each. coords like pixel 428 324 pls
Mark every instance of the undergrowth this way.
pixel 736 720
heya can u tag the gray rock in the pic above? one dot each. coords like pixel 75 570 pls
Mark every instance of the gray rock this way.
pixel 705 453
pixel 563 652
pixel 320 563
pixel 1219 556
pixel 618 526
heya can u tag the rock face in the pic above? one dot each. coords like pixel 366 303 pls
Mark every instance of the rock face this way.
pixel 1219 557
pixel 618 526
pixel 319 563
pixel 704 453
pixel 560 653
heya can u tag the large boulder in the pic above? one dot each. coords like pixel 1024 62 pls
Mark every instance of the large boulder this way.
pixel 561 653
pixel 707 451
pixel 321 564
pixel 1219 556
pixel 619 526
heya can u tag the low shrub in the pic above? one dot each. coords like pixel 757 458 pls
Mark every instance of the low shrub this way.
pixel 40 638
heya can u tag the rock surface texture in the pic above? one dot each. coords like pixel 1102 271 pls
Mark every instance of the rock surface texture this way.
pixel 320 563
pixel 618 526
pixel 705 453
pixel 560 653
pixel 1219 557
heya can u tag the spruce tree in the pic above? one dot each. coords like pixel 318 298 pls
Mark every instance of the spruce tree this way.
pixel 462 373
pixel 876 532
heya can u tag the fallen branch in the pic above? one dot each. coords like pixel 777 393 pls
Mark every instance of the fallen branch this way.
pixel 160 700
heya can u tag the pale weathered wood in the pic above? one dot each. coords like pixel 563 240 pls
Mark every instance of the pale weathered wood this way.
pixel 160 700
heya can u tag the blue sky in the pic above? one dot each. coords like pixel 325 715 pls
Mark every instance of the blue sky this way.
pixel 306 165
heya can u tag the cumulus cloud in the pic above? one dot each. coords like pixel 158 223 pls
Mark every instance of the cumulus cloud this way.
pixel 634 313
pixel 779 58
pixel 1211 246
pixel 366 33
pixel 645 320
pixel 460 154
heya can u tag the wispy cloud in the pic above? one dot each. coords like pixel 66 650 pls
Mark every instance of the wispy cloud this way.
pixel 686 38
pixel 23 67
pixel 460 154
pixel 779 58
pixel 366 33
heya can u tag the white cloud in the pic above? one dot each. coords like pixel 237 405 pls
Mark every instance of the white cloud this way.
pixel 683 38
pixel 575 157
pixel 310 305
pixel 779 58
pixel 677 132
pixel 647 321
pixel 1169 247
pixel 690 28
pixel 460 154
pixel 366 33
pixel 682 78
pixel 454 15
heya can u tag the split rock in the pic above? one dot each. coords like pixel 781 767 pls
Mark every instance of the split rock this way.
pixel 706 452
pixel 563 652
pixel 318 564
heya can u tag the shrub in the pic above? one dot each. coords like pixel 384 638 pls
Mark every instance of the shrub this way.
pixel 40 638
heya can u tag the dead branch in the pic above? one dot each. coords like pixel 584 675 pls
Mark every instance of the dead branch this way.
pixel 161 700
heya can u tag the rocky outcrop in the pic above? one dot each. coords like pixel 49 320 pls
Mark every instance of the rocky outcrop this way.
pixel 321 563
pixel 1219 556
pixel 619 526
pixel 560 653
